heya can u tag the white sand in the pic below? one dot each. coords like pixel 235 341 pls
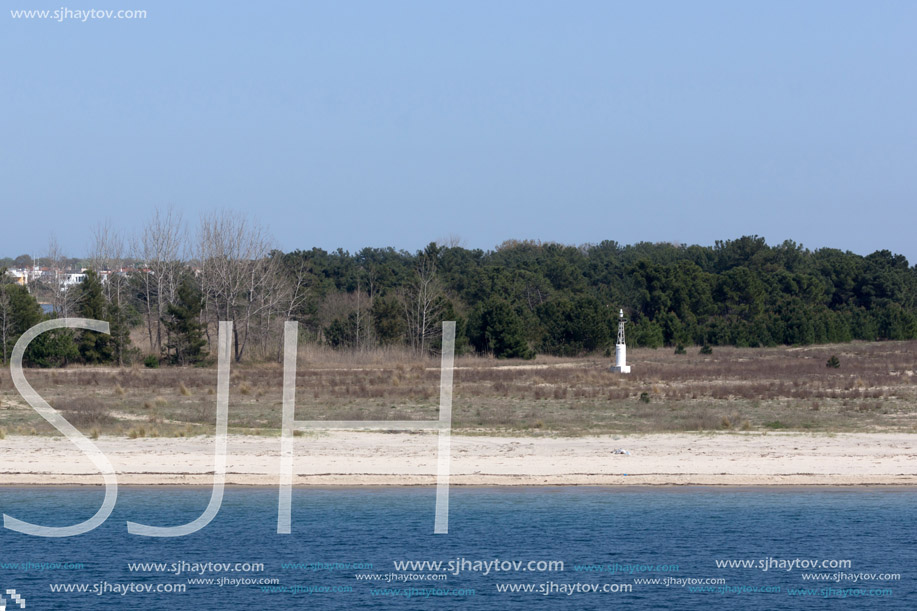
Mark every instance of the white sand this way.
pixel 373 458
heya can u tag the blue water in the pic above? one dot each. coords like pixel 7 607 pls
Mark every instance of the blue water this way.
pixel 673 533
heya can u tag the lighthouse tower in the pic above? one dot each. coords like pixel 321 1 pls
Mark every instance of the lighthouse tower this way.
pixel 621 365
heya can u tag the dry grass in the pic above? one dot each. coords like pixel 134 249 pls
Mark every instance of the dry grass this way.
pixel 84 412
pixel 730 390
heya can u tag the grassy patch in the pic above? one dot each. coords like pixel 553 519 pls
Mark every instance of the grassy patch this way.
pixel 729 390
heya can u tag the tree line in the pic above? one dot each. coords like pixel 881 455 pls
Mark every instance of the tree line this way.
pixel 514 301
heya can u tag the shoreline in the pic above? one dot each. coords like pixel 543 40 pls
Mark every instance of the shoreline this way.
pixel 357 458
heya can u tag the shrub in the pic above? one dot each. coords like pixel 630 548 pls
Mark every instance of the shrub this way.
pixel 833 362
pixel 645 397
pixel 497 328
pixel 680 349
pixel 151 361
pixel 706 349
pixel 83 412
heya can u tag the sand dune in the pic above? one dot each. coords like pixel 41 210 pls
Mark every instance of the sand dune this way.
pixel 375 458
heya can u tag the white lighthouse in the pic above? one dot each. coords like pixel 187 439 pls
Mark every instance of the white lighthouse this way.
pixel 621 365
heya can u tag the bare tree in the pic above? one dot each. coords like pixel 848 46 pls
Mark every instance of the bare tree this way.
pixel 6 320
pixel 61 300
pixel 359 338
pixel 343 320
pixel 423 301
pixel 161 247
pixel 236 274
pixel 106 257
pixel 299 289
pixel 291 286
pixel 453 240
pixel 272 299
pixel 105 246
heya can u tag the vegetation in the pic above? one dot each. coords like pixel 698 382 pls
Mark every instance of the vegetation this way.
pixel 19 311
pixel 737 389
pixel 520 299
pixel 94 347
pixel 185 345
pixel 556 298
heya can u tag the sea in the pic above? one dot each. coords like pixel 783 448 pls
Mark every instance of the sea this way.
pixel 679 548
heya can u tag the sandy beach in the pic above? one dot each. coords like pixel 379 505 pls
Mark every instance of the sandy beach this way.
pixel 375 458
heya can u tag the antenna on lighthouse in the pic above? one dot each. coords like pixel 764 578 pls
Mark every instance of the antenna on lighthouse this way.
pixel 621 365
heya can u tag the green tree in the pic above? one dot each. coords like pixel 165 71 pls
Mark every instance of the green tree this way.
pixel 341 333
pixel 574 327
pixel 93 347
pixel 119 316
pixel 496 328
pixel 388 321
pixel 53 349
pixel 461 330
pixel 184 332
pixel 18 313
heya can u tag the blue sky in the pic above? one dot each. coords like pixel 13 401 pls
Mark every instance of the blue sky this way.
pixel 350 124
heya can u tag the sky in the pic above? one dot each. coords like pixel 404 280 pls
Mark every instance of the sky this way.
pixel 389 123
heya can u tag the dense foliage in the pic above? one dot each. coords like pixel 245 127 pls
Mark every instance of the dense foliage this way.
pixel 514 301
pixel 563 299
